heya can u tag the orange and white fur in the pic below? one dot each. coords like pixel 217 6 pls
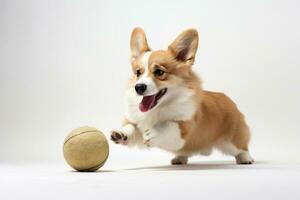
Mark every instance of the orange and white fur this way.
pixel 167 107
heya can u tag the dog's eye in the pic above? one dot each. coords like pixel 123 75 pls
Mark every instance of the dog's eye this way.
pixel 158 72
pixel 138 72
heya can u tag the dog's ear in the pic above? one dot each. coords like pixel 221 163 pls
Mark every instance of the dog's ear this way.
pixel 138 42
pixel 185 46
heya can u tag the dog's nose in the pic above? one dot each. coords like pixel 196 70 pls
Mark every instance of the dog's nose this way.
pixel 140 88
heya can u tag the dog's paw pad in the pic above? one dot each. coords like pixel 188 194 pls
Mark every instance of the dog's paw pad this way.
pixel 118 137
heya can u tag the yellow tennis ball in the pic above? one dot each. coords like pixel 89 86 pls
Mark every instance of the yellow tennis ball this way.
pixel 86 149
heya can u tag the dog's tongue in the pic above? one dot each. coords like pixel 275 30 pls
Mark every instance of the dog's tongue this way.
pixel 147 103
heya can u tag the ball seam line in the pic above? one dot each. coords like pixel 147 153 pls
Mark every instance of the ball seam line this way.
pixel 79 134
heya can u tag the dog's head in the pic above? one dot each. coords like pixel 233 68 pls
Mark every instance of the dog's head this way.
pixel 159 74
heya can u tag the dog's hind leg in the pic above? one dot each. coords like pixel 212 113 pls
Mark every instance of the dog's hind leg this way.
pixel 179 160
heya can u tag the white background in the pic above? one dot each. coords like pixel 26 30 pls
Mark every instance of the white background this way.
pixel 65 64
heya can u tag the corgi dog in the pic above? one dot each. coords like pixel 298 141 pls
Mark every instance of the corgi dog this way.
pixel 168 109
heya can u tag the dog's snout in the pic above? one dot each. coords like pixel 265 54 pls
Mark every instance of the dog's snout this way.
pixel 140 88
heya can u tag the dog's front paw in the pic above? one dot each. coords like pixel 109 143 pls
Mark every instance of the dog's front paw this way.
pixel 150 138
pixel 118 137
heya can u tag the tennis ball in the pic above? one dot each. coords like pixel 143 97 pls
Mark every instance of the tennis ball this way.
pixel 86 149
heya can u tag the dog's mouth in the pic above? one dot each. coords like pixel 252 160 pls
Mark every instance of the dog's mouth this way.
pixel 148 102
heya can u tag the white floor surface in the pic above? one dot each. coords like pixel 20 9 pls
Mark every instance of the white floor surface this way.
pixel 198 180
